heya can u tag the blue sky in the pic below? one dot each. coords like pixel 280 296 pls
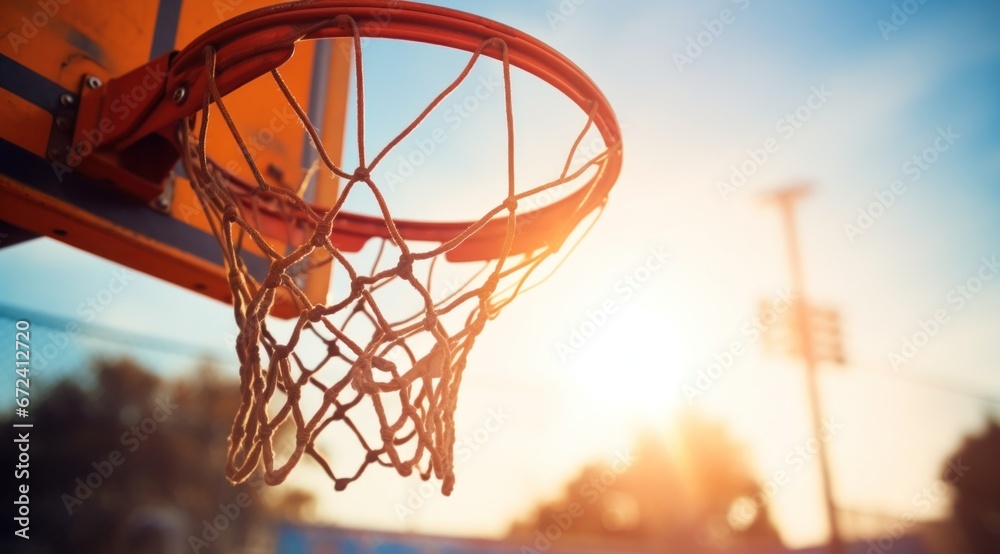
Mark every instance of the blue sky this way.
pixel 683 131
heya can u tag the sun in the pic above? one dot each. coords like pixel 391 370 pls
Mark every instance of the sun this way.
pixel 632 364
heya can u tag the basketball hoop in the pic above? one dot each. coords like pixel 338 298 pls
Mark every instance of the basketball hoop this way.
pixel 417 361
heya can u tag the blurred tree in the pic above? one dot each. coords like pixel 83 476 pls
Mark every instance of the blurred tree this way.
pixel 684 495
pixel 974 471
pixel 131 464
pixel 296 506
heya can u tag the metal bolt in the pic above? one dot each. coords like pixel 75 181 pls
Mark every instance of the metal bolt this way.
pixel 94 82
pixel 162 203
pixel 180 93
pixel 67 100
pixel 63 124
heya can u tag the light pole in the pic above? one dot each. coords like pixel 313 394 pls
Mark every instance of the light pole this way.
pixel 802 331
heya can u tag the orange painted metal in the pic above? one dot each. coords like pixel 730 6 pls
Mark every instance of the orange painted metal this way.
pixel 107 39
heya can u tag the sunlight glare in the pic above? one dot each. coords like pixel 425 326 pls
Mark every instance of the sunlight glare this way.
pixel 631 365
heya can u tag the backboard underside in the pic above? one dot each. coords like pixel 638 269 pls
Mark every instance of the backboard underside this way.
pixel 47 52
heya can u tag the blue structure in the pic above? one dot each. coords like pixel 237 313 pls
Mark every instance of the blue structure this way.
pixel 304 539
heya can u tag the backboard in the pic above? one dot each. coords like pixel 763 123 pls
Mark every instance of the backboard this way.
pixel 55 48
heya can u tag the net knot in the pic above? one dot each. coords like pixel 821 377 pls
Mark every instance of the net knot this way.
pixel 510 204
pixel 235 280
pixel 362 381
pixel 405 267
pixel 272 281
pixel 316 314
pixel 430 322
pixel 230 215
pixel 281 351
pixel 356 288
pixel 361 174
pixel 490 285
pixel 332 349
pixel 321 233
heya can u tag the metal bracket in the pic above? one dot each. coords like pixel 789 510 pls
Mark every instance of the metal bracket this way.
pixel 64 122
pixel 164 201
